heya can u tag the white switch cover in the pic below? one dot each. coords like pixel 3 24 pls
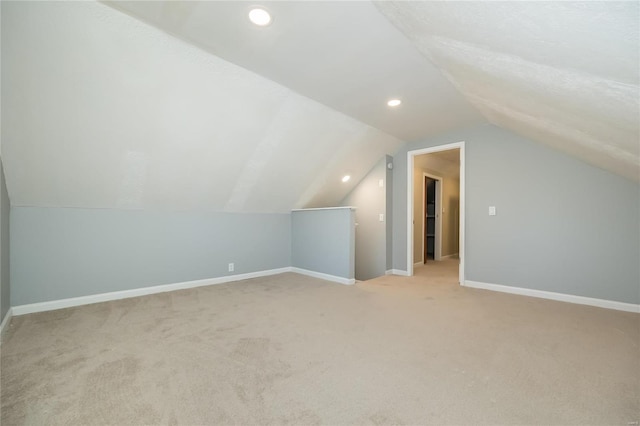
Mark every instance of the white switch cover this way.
pixel 381 183
pixel 492 210
pixel 381 217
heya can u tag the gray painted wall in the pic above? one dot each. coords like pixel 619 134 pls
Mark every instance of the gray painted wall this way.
pixel 5 207
pixel 561 225
pixel 60 253
pixel 323 240
pixel 369 199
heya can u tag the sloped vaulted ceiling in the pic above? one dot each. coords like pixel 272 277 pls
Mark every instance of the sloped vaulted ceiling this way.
pixel 101 110
pixel 343 54
pixel 187 106
pixel 562 73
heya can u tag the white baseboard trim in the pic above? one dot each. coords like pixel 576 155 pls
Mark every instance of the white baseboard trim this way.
pixel 397 272
pixel 334 278
pixel 418 264
pixel 561 297
pixel 5 323
pixel 449 256
pixel 144 291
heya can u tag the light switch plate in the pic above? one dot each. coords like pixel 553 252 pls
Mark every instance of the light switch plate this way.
pixel 492 210
pixel 381 217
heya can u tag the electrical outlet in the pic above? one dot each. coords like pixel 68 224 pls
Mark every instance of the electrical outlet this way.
pixel 231 267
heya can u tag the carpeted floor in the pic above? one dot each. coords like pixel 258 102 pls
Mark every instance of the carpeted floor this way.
pixel 290 349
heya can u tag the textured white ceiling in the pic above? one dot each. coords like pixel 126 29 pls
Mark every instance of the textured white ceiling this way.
pixel 102 110
pixel 562 73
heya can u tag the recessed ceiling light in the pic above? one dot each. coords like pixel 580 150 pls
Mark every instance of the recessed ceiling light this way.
pixel 394 102
pixel 346 178
pixel 259 17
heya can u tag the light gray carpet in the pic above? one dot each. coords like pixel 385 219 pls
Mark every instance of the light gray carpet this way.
pixel 290 349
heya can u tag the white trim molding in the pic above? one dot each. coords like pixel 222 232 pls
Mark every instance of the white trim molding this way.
pixel 417 264
pixel 397 272
pixel 144 291
pixel 4 326
pixel 323 276
pixel 561 297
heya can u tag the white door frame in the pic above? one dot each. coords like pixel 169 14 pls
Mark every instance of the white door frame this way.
pixel 437 252
pixel 410 155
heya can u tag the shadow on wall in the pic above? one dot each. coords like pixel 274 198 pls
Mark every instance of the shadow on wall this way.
pixel 371 199
pixel 454 235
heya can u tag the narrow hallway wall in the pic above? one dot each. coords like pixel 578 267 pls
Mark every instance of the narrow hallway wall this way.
pixel 369 198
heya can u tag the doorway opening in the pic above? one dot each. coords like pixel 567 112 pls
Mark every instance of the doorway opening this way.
pixel 431 217
pixel 435 207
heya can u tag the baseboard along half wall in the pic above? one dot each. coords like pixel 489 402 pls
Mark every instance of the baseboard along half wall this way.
pixel 144 291
pixel 323 276
pixel 561 297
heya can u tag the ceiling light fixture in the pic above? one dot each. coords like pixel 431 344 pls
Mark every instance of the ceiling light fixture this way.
pixel 346 178
pixel 259 17
pixel 394 102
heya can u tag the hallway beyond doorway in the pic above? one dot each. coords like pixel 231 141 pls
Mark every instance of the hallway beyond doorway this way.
pixel 441 272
